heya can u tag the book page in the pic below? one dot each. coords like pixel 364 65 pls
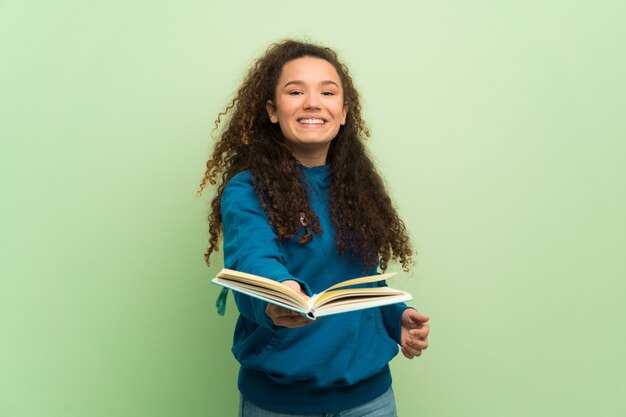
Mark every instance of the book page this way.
pixel 273 297
pixel 360 304
pixel 362 280
pixel 355 295
pixel 255 283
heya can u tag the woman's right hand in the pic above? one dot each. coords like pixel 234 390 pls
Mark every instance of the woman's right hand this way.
pixel 284 317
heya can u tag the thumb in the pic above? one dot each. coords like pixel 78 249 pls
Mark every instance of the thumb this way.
pixel 295 285
pixel 422 317
pixel 415 317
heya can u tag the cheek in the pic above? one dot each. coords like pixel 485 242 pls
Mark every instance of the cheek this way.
pixel 285 112
pixel 340 111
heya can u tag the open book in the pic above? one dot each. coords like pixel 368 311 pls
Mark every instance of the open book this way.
pixel 333 300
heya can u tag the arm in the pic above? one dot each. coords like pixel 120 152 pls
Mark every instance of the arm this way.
pixel 392 319
pixel 251 245
pixel 406 326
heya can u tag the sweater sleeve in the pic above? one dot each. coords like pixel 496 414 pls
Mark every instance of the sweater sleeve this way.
pixel 250 244
pixel 392 317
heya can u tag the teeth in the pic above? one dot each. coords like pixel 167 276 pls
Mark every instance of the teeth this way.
pixel 312 121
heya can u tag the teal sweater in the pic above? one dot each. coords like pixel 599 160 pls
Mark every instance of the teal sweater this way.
pixel 336 362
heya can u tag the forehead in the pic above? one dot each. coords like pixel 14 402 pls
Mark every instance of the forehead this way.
pixel 308 69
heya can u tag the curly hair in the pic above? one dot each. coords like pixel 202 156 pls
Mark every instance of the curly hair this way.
pixel 367 224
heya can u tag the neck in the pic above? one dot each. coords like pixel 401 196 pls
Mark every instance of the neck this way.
pixel 311 158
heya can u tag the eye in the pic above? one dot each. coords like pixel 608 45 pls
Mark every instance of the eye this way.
pixel 294 93
pixel 328 93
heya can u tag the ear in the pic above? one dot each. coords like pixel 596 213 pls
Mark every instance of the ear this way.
pixel 345 114
pixel 271 111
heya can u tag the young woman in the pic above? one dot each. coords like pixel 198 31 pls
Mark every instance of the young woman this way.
pixel 299 201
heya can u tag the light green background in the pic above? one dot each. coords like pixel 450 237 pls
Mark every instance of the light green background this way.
pixel 499 126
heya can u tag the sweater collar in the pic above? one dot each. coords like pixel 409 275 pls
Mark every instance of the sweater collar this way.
pixel 319 174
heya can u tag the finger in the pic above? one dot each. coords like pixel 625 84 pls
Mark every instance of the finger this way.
pixel 419 318
pixel 406 353
pixel 418 344
pixel 287 314
pixel 412 350
pixel 281 310
pixel 410 353
pixel 419 336
pixel 294 285
pixel 288 318
pixel 417 315
pixel 423 317
pixel 277 314
pixel 278 311
pixel 415 342
pixel 413 318
pixel 293 322
pixel 420 332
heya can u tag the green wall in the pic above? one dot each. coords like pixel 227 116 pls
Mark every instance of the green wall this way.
pixel 499 127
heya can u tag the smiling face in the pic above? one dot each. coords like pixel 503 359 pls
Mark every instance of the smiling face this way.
pixel 309 107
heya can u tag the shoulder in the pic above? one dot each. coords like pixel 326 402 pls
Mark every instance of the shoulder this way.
pixel 241 178
pixel 239 192
pixel 240 201
pixel 242 182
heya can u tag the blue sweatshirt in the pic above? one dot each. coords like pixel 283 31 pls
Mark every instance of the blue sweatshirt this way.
pixel 336 362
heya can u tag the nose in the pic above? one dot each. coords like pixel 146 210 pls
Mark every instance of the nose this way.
pixel 311 101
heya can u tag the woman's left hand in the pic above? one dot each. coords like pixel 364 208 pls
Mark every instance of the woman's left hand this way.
pixel 414 335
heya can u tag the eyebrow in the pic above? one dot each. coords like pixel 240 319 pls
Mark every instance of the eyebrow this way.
pixel 300 82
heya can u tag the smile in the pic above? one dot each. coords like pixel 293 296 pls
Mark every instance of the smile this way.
pixel 312 121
